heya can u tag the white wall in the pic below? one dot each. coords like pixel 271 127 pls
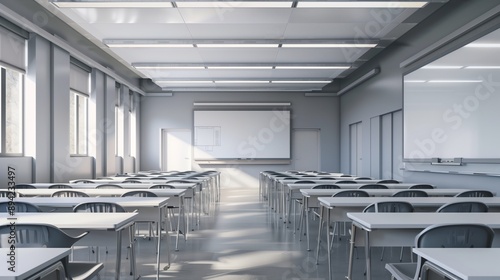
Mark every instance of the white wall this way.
pixel 177 112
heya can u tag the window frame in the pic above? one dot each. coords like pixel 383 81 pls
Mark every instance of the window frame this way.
pixel 3 112
pixel 78 95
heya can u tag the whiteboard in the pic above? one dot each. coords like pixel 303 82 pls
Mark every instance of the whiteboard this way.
pixel 231 134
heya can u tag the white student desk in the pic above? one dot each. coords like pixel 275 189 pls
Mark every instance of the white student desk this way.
pixel 176 199
pixel 311 196
pixel 465 263
pixel 92 222
pixel 30 261
pixel 150 209
pixel 400 229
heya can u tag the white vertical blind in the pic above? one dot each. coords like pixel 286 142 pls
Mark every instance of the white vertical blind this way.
pixel 12 50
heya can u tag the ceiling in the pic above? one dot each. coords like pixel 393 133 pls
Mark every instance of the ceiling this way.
pixel 241 45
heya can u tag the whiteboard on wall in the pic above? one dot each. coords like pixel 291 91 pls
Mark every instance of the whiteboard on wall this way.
pixel 236 134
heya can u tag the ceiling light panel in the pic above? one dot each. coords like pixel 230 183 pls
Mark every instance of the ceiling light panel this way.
pixel 237 45
pixel 312 67
pixel 442 67
pixel 143 45
pixel 113 4
pixel 483 45
pixel 301 82
pixel 235 4
pixel 339 45
pixel 361 4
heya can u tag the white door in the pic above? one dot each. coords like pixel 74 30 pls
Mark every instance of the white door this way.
pixel 356 157
pixel 176 149
pixel 306 149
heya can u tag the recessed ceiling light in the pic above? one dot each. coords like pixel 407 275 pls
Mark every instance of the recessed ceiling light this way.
pixel 483 45
pixel 241 82
pixel 240 67
pixel 482 67
pixel 339 45
pixel 170 67
pixel 113 4
pixel 183 82
pixel 455 81
pixel 361 4
pixel 235 4
pixel 146 45
pixel 441 67
pixel 237 45
pixel 300 82
pixel 313 67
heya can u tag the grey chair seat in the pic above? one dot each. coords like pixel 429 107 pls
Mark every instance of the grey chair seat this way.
pixel 84 270
pixel 402 271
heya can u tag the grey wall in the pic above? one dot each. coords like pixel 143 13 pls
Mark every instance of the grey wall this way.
pixel 177 112
pixel 371 101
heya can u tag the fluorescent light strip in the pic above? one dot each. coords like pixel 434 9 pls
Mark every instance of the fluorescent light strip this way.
pixel 184 82
pixel 361 4
pixel 111 45
pixel 241 82
pixel 114 4
pixel 313 67
pixel 169 67
pixel 301 82
pixel 235 4
pixel 237 45
pixel 441 67
pixel 482 67
pixel 240 67
pixel 415 81
pixel 339 45
pixel 455 81
pixel 483 45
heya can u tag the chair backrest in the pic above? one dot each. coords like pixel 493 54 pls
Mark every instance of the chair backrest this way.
pixel 389 206
pixel 430 271
pixel 422 187
pixel 158 178
pixel 464 206
pixel 362 178
pixel 83 181
pixel 346 182
pixel 289 178
pixel 455 236
pixel 411 193
pixel 178 181
pixel 327 178
pixel 304 182
pixel 139 194
pixel 60 186
pixel 69 193
pixel 345 175
pixel 388 181
pixel 351 193
pixel 132 182
pixel 109 186
pixel 326 186
pixel 37 236
pixel 162 186
pixel 25 186
pixel 99 207
pixel 19 206
pixel 141 175
pixel 308 176
pixel 8 194
pixel 475 193
pixel 373 186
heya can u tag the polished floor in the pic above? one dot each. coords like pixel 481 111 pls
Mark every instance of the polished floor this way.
pixel 243 240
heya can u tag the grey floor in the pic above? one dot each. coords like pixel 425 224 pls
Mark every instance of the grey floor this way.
pixel 242 240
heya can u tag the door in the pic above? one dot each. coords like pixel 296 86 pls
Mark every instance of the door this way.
pixel 356 157
pixel 176 149
pixel 306 149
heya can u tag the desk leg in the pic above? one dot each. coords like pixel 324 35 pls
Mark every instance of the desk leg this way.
pixel 367 255
pixel 178 227
pixel 351 251
pixel 167 237
pixel 118 253
pixel 289 210
pixel 133 264
pixel 319 231
pixel 328 243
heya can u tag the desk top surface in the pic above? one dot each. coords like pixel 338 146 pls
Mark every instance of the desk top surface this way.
pixel 379 192
pixel 103 192
pixel 417 220
pixel 144 185
pixel 324 181
pixel 130 201
pixel 30 261
pixel 347 186
pixel 83 221
pixel 466 263
pixel 433 201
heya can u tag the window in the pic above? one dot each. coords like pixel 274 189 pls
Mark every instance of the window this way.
pixel 133 126
pixel 11 112
pixel 78 109
pixel 119 148
pixel 78 123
